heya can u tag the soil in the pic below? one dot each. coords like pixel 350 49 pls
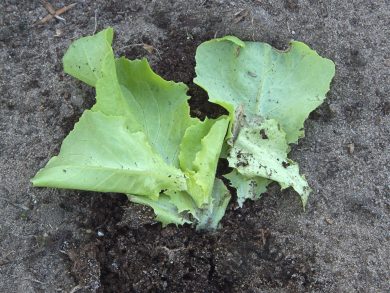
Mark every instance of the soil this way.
pixel 71 241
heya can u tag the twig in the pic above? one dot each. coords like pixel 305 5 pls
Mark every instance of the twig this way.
pixel 15 204
pixel 48 7
pixel 54 13
pixel 95 28
pixel 34 280
pixel 77 288
pixel 130 46
pixel 240 15
pixel 65 9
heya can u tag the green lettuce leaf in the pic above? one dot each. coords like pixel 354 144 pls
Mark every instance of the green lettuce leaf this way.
pixel 206 198
pixel 157 107
pixel 153 110
pixel 260 151
pixel 247 187
pixel 281 85
pixel 210 216
pixel 101 154
pixel 179 208
pixel 199 154
pixel 166 211
pixel 85 56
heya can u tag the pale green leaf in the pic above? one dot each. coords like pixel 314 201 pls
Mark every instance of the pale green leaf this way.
pixel 166 212
pixel 179 208
pixel 199 154
pixel 190 145
pixel 101 154
pixel 282 85
pixel 85 56
pixel 183 201
pixel 211 215
pixel 206 199
pixel 260 150
pixel 157 107
pixel 247 187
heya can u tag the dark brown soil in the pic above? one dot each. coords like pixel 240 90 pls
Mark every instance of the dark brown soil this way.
pixel 133 254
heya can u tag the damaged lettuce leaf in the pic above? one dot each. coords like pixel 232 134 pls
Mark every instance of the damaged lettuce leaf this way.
pixel 281 85
pixel 132 138
pixel 247 187
pixel 269 94
pixel 260 151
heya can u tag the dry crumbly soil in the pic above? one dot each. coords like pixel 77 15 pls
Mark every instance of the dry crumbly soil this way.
pixel 71 241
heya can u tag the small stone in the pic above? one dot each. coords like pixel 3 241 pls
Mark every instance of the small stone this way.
pixel 329 221
pixel 58 33
pixel 76 101
pixel 351 148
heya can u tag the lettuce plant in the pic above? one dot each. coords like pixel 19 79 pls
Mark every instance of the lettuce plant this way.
pixel 139 138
